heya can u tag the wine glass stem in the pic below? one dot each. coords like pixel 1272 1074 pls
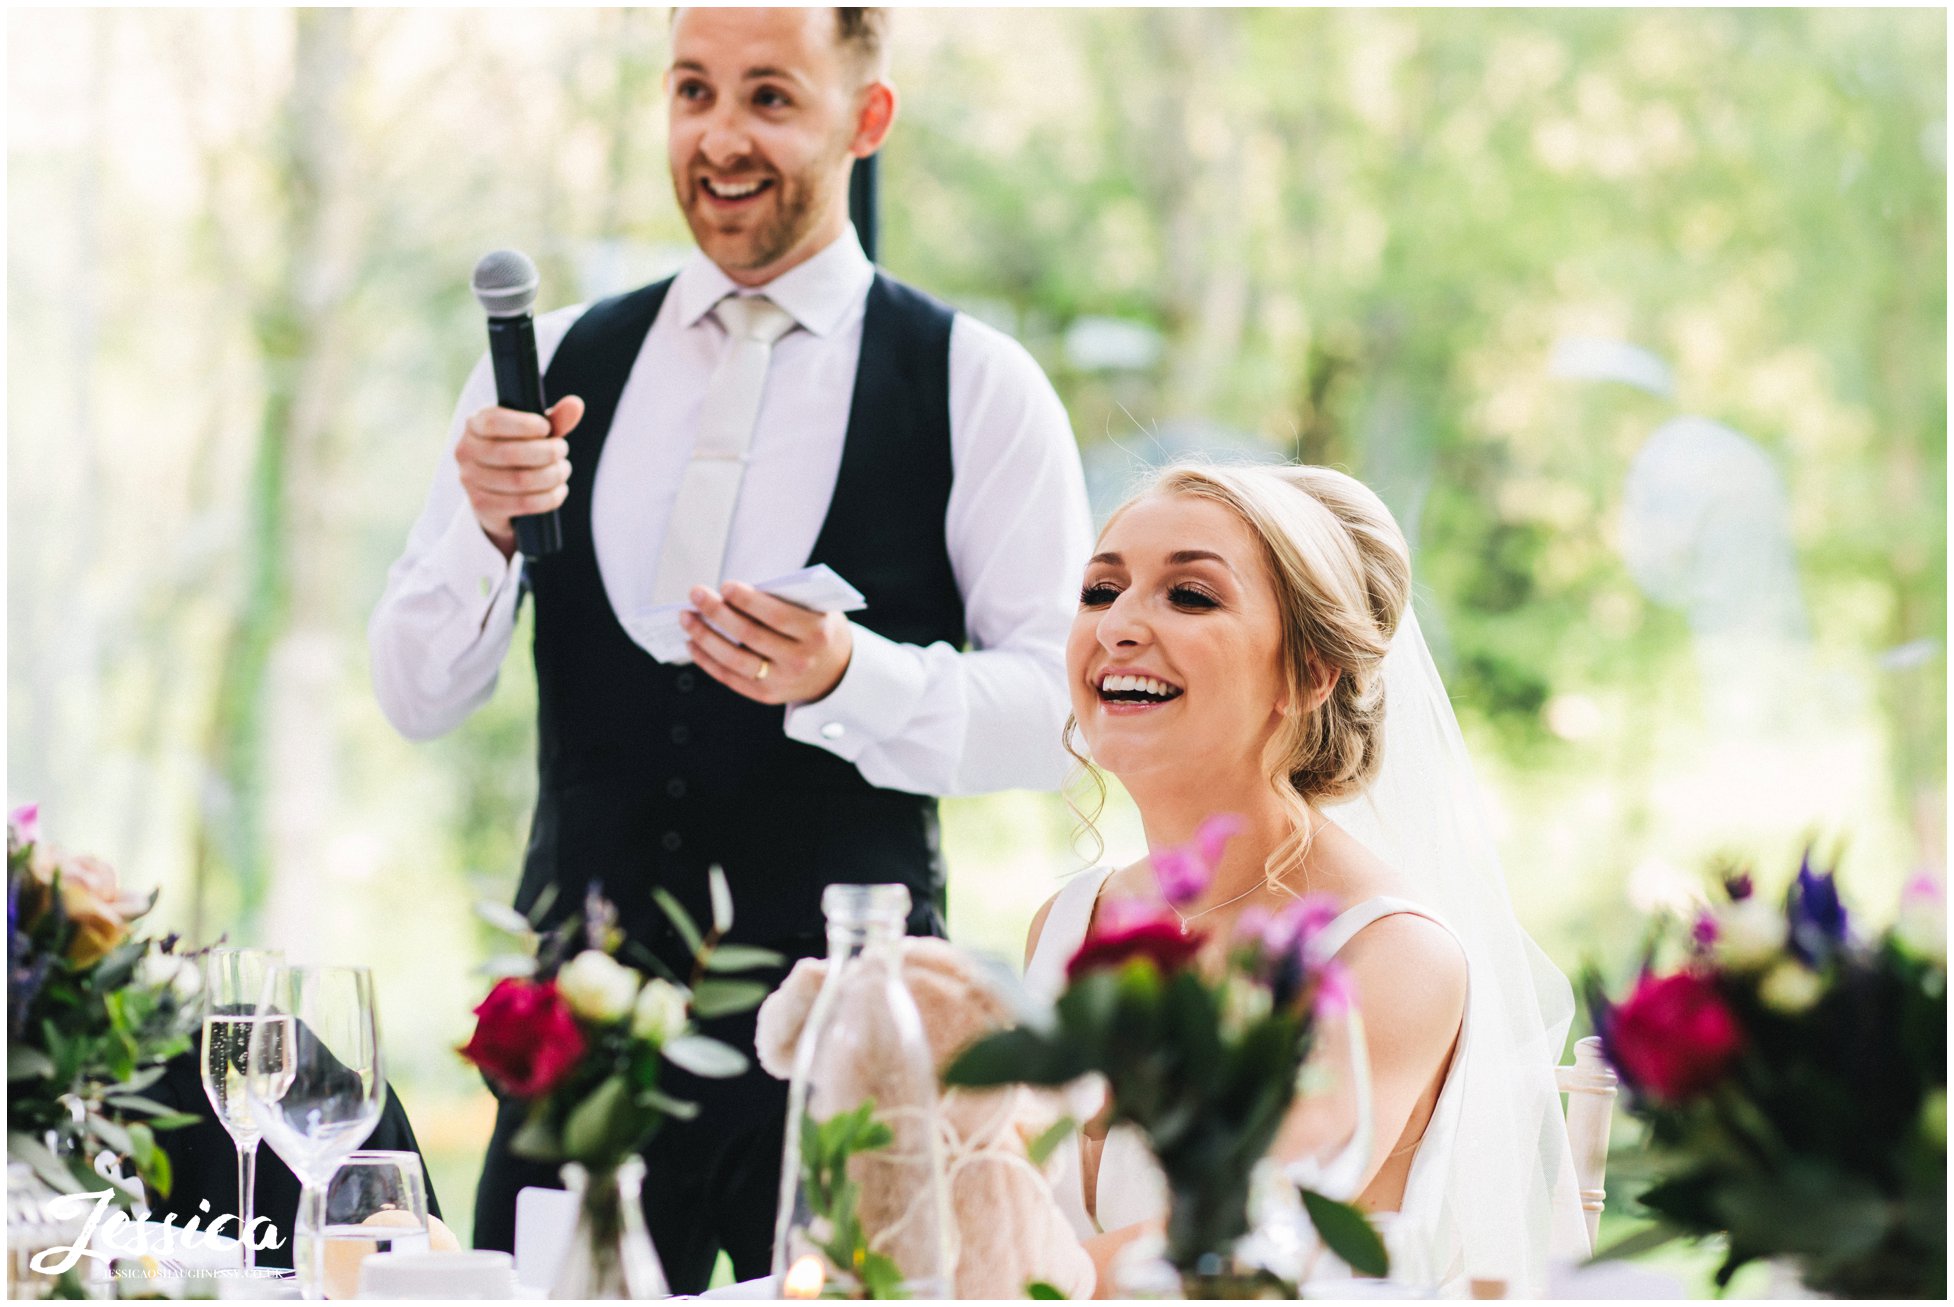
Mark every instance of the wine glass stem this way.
pixel 309 1252
pixel 247 1191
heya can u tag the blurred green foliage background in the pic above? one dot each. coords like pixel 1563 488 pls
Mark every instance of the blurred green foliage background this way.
pixel 238 250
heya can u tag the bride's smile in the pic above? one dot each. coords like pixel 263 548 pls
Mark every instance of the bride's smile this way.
pixel 1174 653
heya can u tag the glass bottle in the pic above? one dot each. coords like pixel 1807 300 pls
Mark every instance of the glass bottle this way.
pixel 863 1208
pixel 610 1254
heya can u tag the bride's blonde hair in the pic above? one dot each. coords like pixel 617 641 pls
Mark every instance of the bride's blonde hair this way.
pixel 1342 576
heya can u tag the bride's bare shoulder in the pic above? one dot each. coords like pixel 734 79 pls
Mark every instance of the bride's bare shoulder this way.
pixel 1109 889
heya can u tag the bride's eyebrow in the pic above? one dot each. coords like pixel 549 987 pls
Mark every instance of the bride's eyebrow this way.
pixel 1200 556
pixel 1110 560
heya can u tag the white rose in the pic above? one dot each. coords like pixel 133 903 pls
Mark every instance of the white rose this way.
pixel 167 970
pixel 1750 933
pixel 660 1013
pixel 597 986
pixel 1790 987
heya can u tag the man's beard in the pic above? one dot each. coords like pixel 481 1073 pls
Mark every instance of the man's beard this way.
pixel 799 201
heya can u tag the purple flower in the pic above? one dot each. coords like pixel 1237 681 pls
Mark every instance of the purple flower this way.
pixel 1182 876
pixel 1704 933
pixel 24 826
pixel 1184 872
pixel 1336 992
pixel 1816 917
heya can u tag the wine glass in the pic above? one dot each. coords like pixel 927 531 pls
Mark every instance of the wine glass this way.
pixel 233 980
pixel 316 1087
pixel 1325 1146
pixel 376 1202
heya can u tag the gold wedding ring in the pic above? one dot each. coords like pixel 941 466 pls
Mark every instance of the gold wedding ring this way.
pixel 765 667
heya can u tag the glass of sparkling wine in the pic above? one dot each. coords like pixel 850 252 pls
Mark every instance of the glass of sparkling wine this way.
pixel 319 1101
pixel 233 978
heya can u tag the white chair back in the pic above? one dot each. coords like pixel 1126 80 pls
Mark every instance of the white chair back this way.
pixel 1590 1086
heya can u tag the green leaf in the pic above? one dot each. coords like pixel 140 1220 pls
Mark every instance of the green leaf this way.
pixel 25 1148
pixel 742 957
pixel 503 917
pixel 25 1063
pixel 676 1108
pixel 1348 1234
pixel 722 899
pixel 113 1135
pixel 1012 1057
pixel 705 1057
pixel 1049 1139
pixel 681 919
pixel 602 1126
pixel 537 1140
pixel 719 998
pixel 1039 1291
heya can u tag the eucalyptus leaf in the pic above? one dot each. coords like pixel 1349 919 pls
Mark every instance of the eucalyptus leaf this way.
pixel 718 998
pixel 23 1147
pixel 676 1108
pixel 503 917
pixel 25 1063
pixel 742 957
pixel 681 919
pixel 722 899
pixel 705 1057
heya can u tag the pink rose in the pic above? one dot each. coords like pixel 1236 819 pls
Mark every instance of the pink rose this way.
pixel 526 1039
pixel 1673 1038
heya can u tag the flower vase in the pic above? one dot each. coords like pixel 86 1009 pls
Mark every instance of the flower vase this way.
pixel 610 1254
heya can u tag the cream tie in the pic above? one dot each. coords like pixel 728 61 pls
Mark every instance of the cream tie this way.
pixel 702 515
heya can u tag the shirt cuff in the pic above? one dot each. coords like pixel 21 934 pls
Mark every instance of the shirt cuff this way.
pixel 874 700
pixel 467 562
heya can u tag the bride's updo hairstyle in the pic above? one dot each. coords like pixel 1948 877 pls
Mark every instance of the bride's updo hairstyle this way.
pixel 1342 577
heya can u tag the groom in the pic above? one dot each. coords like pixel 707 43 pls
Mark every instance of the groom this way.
pixel 920 454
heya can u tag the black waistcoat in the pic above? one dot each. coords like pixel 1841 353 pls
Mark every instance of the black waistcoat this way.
pixel 651 773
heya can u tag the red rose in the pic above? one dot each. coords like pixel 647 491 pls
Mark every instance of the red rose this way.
pixel 525 1038
pixel 1673 1037
pixel 1157 939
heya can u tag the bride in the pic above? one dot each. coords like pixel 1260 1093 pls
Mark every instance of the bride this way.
pixel 1244 644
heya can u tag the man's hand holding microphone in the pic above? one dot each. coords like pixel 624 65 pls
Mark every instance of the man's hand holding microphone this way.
pixel 515 468
pixel 516 464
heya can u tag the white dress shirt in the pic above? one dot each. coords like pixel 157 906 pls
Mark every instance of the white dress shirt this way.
pixel 929 720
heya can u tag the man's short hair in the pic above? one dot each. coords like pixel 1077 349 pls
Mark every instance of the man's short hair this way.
pixel 862 34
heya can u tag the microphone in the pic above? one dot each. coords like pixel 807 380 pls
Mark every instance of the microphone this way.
pixel 505 284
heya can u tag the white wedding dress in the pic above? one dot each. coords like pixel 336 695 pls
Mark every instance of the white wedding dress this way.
pixel 1130 1187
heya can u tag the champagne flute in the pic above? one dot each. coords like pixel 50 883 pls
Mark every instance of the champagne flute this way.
pixel 233 979
pixel 316 1087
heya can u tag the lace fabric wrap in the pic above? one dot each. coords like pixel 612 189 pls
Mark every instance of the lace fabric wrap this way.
pixel 1507 1204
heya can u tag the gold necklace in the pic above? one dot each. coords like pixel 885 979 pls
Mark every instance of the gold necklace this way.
pixel 1224 903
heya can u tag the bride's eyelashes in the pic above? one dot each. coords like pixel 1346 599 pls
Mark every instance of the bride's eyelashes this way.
pixel 1184 596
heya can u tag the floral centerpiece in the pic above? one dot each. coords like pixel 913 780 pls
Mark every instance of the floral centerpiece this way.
pixel 94 1009
pixel 1206 1066
pixel 582 1035
pixel 1792 1073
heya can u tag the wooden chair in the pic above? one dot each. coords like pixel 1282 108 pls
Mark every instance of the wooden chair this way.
pixel 1590 1086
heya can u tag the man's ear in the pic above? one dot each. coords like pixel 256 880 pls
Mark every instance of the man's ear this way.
pixel 877 116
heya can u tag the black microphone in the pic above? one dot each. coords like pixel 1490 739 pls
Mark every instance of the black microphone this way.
pixel 505 284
